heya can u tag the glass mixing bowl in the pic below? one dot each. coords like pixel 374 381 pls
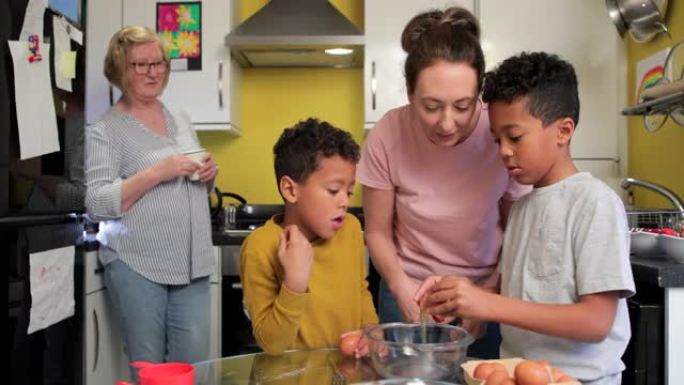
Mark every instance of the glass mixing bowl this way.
pixel 424 351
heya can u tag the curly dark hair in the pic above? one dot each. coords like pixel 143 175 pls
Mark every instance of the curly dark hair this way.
pixel 548 82
pixel 299 148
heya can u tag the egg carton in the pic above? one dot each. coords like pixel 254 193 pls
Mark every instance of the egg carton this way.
pixel 508 363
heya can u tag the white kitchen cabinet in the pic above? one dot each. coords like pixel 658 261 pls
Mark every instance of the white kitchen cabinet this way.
pixel 581 33
pixel 104 359
pixel 207 95
pixel 384 82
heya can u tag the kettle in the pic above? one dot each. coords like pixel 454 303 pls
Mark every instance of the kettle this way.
pixel 217 210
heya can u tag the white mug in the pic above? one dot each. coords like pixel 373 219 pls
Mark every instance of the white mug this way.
pixel 196 155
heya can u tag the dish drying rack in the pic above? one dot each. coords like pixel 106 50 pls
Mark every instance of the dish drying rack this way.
pixel 652 219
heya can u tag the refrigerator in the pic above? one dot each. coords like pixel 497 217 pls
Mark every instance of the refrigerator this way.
pixel 41 209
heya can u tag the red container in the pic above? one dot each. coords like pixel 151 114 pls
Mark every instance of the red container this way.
pixel 170 373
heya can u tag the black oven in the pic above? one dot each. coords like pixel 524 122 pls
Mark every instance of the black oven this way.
pixel 644 356
pixel 237 337
pixel 51 355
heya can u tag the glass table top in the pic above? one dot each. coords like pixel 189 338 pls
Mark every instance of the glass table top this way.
pixel 306 367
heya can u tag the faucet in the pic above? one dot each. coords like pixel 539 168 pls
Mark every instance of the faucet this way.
pixel 671 196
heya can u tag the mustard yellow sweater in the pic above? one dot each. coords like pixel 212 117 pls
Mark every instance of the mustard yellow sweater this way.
pixel 337 301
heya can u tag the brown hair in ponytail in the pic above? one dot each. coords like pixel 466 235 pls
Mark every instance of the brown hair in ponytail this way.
pixel 452 35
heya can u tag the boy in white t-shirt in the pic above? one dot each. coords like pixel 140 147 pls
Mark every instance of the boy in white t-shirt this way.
pixel 565 271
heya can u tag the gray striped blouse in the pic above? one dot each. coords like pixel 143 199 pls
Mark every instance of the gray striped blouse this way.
pixel 166 235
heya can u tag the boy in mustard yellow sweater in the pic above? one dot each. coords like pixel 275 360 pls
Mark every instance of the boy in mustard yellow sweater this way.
pixel 303 272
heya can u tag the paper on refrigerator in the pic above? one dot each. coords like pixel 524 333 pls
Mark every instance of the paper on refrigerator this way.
pixel 61 44
pixel 52 287
pixel 33 19
pixel 36 118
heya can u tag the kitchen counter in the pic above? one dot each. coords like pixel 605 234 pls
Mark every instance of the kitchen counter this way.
pixel 221 237
pixel 661 272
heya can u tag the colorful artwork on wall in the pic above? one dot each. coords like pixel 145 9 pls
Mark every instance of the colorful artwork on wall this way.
pixel 179 26
pixel 649 72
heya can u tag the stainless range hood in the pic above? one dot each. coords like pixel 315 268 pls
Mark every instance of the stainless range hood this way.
pixel 297 33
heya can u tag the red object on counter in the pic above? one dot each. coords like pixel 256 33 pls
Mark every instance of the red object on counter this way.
pixel 169 373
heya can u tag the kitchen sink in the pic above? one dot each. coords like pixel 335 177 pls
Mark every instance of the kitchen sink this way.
pixel 653 218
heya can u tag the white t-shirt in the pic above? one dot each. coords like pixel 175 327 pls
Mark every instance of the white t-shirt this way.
pixel 563 241
pixel 446 198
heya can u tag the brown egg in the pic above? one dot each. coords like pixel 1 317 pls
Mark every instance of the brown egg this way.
pixel 348 344
pixel 566 378
pixel 556 374
pixel 483 370
pixel 497 377
pixel 499 366
pixel 545 364
pixel 531 373
pixel 510 381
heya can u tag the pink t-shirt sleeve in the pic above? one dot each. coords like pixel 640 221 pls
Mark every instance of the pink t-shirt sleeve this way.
pixel 373 168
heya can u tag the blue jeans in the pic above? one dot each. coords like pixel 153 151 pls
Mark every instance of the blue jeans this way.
pixel 487 347
pixel 159 323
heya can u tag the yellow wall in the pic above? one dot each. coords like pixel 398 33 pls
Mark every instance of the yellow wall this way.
pixel 657 157
pixel 273 99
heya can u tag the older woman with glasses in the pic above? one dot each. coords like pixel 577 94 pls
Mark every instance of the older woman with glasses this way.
pixel 155 231
pixel 435 191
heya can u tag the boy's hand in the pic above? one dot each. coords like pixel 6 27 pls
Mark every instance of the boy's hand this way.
pixel 296 256
pixel 424 291
pixel 361 349
pixel 457 297
pixel 426 288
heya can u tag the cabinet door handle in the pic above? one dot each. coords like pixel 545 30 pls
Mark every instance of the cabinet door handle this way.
pixel 220 84
pixel 96 323
pixel 111 96
pixel 374 85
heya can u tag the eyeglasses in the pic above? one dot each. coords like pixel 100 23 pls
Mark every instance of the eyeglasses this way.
pixel 142 68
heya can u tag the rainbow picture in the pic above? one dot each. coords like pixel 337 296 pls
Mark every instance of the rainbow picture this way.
pixel 650 79
pixel 179 26
pixel 649 72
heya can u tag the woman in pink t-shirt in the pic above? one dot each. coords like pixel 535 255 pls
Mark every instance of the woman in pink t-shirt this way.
pixel 434 187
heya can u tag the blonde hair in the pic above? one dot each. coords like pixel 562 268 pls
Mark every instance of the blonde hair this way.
pixel 116 61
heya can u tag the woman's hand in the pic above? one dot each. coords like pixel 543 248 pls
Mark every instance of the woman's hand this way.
pixel 208 171
pixel 296 256
pixel 404 297
pixel 175 166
